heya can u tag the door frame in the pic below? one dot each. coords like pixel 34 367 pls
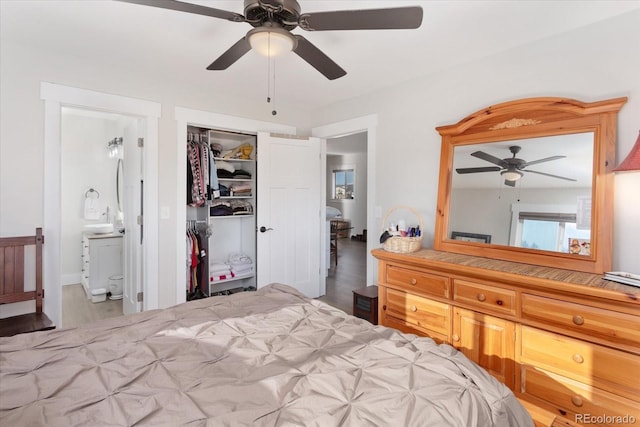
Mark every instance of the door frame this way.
pixel 368 124
pixel 56 96
pixel 190 117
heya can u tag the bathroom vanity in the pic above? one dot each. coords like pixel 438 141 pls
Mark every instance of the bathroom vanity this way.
pixel 101 259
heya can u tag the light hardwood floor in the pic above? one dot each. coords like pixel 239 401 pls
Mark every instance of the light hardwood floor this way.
pixel 77 310
pixel 349 275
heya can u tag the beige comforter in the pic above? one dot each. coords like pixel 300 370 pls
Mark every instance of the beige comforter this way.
pixel 264 358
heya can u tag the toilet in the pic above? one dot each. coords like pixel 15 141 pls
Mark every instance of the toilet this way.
pixel 115 287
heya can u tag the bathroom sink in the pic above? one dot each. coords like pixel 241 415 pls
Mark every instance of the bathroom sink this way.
pixel 99 228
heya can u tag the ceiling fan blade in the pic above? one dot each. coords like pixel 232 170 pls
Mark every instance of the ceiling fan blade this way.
pixel 491 159
pixel 546 159
pixel 552 176
pixel 371 19
pixel 232 54
pixel 317 59
pixel 189 8
pixel 476 170
pixel 509 183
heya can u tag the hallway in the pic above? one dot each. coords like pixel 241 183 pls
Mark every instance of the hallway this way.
pixel 350 274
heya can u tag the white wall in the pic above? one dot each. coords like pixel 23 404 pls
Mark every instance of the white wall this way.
pixel 593 63
pixel 596 62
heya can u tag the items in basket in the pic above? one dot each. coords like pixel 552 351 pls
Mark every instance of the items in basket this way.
pixel 398 237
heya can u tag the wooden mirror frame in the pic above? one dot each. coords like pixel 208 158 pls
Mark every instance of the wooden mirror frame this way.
pixel 531 118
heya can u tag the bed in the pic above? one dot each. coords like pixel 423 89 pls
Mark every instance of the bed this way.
pixel 265 358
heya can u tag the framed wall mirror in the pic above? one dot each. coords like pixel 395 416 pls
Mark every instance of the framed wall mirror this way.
pixel 533 179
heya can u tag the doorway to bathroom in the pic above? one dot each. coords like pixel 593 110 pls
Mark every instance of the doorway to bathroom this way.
pixel 101 188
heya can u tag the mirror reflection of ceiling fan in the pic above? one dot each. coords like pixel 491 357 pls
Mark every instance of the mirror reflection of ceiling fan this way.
pixel 273 21
pixel 513 168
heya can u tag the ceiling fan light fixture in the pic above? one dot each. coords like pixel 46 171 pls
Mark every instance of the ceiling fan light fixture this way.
pixel 271 41
pixel 511 175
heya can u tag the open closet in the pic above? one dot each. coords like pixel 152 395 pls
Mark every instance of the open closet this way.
pixel 221 224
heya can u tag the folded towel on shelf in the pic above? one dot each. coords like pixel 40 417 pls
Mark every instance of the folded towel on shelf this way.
pixel 239 259
pixel 219 268
pixel 239 270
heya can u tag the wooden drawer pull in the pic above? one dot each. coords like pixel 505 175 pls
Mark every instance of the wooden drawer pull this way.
pixel 499 302
pixel 577 401
pixel 384 307
pixel 455 338
pixel 578 320
pixel 414 281
pixel 413 308
pixel 578 358
pixel 481 297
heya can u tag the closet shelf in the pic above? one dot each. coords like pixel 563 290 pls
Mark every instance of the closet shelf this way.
pixel 232 279
pixel 232 216
pixel 234 160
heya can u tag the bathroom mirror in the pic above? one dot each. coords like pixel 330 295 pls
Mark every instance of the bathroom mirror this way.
pixel 530 181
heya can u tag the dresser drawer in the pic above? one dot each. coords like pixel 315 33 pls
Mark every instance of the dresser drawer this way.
pixel 619 328
pixel 575 400
pixel 409 328
pixel 418 281
pixel 418 311
pixel 484 297
pixel 602 367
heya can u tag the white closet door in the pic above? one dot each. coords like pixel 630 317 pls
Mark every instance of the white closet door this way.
pixel 288 212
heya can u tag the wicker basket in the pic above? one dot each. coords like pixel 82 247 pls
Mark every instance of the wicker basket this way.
pixel 399 244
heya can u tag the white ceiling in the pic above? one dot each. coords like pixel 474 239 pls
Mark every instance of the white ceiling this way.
pixel 168 45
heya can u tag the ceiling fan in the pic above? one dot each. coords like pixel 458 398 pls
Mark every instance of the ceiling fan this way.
pixel 273 21
pixel 512 168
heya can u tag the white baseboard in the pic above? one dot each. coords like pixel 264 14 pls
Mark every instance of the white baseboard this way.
pixel 71 279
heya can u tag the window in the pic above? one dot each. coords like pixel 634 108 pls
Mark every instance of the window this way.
pixel 550 231
pixel 344 184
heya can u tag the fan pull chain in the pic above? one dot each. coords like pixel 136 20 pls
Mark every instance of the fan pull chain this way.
pixel 271 95
pixel 274 112
pixel 269 71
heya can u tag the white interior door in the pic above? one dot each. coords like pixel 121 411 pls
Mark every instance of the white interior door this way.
pixel 131 205
pixel 288 212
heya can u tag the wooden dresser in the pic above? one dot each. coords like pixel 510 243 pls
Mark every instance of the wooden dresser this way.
pixel 567 343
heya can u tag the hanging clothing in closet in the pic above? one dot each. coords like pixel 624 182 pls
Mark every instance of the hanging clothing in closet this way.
pixel 196 262
pixel 202 177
